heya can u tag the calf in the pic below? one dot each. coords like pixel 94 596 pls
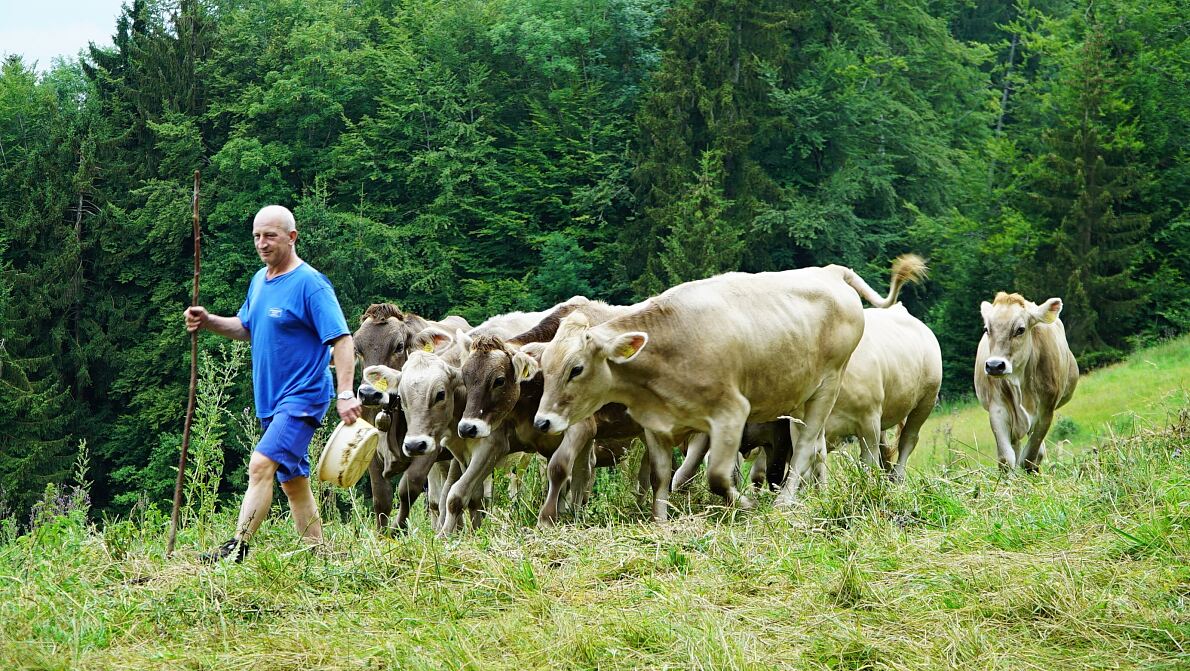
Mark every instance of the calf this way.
pixel 383 338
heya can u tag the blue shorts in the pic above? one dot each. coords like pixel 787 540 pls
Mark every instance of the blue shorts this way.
pixel 286 440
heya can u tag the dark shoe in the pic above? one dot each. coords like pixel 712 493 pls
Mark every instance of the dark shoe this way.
pixel 232 547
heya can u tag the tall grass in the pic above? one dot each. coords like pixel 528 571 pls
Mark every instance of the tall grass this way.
pixel 1084 566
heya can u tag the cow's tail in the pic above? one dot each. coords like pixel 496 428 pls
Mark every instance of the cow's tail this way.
pixel 906 268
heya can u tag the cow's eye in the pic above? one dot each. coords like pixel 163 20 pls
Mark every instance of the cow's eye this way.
pixel 1020 330
pixel 440 396
pixel 575 372
pixel 498 382
pixel 400 347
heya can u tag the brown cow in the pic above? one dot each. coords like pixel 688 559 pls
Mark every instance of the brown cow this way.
pixel 1024 371
pixel 503 390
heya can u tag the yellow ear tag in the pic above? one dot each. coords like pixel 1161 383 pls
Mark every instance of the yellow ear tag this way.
pixel 381 384
pixel 428 347
pixel 626 350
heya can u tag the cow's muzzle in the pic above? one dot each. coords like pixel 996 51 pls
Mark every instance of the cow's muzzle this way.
pixel 996 367
pixel 369 395
pixel 474 428
pixel 549 423
pixel 417 445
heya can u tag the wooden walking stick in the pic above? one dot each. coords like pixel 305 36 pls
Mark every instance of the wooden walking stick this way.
pixel 173 517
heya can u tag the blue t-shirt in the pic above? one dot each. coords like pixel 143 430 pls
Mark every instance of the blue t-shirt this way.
pixel 291 320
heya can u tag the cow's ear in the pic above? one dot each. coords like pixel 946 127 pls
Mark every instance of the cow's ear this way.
pixel 525 366
pixel 432 339
pixel 1047 312
pixel 985 311
pixel 382 378
pixel 624 347
pixel 463 339
pixel 534 349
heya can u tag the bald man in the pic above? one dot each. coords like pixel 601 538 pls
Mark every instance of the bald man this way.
pixel 295 325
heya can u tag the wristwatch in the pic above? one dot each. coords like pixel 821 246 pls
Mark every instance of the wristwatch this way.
pixel 345 395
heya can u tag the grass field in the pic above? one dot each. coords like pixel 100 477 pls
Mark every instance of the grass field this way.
pixel 1086 566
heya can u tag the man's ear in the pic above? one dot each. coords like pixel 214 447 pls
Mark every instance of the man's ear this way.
pixel 526 367
pixel 624 347
pixel 1047 312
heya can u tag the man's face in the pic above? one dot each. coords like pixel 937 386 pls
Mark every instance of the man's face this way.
pixel 273 243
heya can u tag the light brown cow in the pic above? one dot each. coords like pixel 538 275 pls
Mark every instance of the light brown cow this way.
pixel 892 380
pixel 1024 371
pixel 383 338
pixel 710 356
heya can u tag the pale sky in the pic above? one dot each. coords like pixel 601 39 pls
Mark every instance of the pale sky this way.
pixel 39 30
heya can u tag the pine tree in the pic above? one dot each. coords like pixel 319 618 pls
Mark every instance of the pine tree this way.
pixel 1084 189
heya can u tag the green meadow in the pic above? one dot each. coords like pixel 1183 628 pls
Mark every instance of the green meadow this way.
pixel 1085 566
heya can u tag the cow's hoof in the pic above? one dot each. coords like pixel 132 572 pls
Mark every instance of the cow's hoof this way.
pixel 744 503
pixel 785 502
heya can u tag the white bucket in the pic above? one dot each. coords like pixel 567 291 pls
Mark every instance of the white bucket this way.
pixel 348 453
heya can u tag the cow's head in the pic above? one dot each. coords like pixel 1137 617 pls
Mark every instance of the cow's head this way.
pixel 379 388
pixel 1008 324
pixel 385 334
pixel 426 385
pixel 492 374
pixel 577 366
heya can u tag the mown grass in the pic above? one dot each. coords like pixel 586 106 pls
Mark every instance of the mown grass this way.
pixel 1142 391
pixel 1085 566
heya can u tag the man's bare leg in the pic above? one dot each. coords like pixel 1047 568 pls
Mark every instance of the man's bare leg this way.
pixel 258 497
pixel 304 509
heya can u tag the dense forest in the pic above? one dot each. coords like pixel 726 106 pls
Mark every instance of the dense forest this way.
pixel 479 156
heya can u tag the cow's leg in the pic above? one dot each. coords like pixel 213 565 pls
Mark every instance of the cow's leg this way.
pixel 575 445
pixel 435 487
pixel 1001 421
pixel 1035 449
pixel 759 467
pixel 644 479
pixel 726 428
pixel 809 438
pixel 696 452
pixel 660 458
pixel 582 480
pixel 413 483
pixel 382 493
pixel 817 475
pixel 907 439
pixel 869 441
pixel 484 458
pixel 453 473
pixel 779 454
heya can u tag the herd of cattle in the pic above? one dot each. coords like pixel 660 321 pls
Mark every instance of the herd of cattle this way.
pixel 786 365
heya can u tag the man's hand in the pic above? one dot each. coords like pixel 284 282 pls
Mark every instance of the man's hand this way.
pixel 196 316
pixel 349 410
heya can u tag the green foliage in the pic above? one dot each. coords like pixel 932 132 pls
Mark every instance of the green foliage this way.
pixel 481 156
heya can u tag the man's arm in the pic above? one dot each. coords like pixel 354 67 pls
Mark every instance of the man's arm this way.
pixel 343 353
pixel 229 327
